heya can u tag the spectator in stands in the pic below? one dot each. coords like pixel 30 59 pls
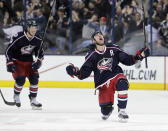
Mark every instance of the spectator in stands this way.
pixel 119 14
pixel 89 9
pixel 77 25
pixel 128 22
pixel 58 28
pixel 79 6
pixel 87 32
pixel 39 18
pixel 135 6
pixel 46 8
pixel 158 14
pixel 164 4
pixel 124 3
pixel 101 26
pixel 163 31
pixel 30 8
pixel 19 11
pixel 118 31
pixel 4 13
pixel 103 8
pixel 63 3
pixel 138 21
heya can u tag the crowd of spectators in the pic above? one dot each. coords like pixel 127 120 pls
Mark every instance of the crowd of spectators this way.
pixel 87 16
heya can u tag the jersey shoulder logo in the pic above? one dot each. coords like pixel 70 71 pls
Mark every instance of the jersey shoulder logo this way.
pixel 27 49
pixel 111 53
pixel 105 64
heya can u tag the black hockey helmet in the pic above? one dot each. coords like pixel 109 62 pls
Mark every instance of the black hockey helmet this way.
pixel 31 23
pixel 96 32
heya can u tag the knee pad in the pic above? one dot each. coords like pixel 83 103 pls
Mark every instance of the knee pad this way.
pixel 20 80
pixel 33 79
pixel 106 109
pixel 122 84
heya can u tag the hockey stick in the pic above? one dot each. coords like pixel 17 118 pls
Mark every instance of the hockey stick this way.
pixel 6 102
pixel 145 45
pixel 43 36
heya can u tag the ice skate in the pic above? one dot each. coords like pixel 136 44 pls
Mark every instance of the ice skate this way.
pixel 105 117
pixel 122 115
pixel 17 100
pixel 34 103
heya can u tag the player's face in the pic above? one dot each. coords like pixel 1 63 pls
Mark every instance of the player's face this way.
pixel 99 39
pixel 32 30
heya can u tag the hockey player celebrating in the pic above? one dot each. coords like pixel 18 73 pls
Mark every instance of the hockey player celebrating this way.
pixel 19 56
pixel 108 75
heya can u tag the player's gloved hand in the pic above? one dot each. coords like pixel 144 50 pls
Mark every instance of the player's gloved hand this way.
pixel 10 66
pixel 72 70
pixel 142 53
pixel 36 65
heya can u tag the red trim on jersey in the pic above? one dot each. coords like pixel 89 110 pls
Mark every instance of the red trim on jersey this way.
pixel 118 76
pixel 101 52
pixel 123 96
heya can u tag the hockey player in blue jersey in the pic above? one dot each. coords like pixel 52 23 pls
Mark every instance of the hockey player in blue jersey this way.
pixel 19 56
pixel 108 75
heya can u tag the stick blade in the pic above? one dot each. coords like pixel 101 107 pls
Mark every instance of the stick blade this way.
pixel 7 102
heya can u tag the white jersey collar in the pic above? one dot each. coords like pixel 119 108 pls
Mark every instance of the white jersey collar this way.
pixel 101 52
pixel 28 37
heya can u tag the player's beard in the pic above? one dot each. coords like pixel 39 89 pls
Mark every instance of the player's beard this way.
pixel 99 43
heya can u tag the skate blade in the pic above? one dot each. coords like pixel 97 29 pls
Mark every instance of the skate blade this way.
pixel 122 120
pixel 105 118
pixel 36 108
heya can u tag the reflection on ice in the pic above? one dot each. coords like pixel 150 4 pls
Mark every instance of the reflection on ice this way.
pixel 78 110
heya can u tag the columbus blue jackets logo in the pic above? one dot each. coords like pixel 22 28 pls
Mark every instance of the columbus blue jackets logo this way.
pixel 105 64
pixel 27 49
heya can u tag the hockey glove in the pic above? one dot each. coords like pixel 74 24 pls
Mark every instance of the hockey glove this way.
pixel 36 65
pixel 72 70
pixel 10 66
pixel 142 53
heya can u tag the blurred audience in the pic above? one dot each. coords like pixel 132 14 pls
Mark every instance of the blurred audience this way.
pixel 87 16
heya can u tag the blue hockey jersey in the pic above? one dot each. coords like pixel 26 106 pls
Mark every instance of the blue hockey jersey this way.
pixel 22 48
pixel 105 64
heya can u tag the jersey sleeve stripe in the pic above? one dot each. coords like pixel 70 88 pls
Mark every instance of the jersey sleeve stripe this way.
pixel 12 45
pixel 37 38
pixel 117 49
pixel 89 56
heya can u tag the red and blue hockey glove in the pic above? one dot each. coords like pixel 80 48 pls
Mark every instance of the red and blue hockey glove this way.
pixel 142 53
pixel 72 70
pixel 10 66
pixel 36 65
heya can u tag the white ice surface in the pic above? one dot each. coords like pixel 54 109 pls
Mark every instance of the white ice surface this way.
pixel 78 110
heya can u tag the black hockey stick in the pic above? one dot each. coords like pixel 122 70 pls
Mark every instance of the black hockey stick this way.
pixel 43 36
pixel 145 45
pixel 5 101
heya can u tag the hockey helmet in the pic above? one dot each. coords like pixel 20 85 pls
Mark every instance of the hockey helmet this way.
pixel 31 23
pixel 96 32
